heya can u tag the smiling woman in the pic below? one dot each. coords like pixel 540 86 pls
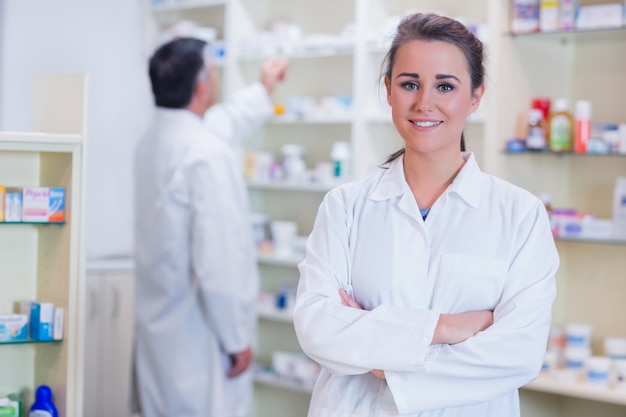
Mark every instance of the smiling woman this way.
pixel 429 280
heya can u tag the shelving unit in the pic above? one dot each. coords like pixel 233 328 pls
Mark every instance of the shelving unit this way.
pixel 563 64
pixel 43 262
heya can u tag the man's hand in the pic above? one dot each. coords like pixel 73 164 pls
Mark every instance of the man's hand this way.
pixel 273 72
pixel 240 362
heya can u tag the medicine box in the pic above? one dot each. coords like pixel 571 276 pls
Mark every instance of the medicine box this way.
pixel 1 203
pixel 43 204
pixel 57 332
pixel 13 327
pixel 10 407
pixel 12 204
pixel 41 320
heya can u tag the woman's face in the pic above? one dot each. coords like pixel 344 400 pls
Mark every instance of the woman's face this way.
pixel 430 93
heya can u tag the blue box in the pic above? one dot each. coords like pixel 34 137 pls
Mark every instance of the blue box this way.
pixel 41 320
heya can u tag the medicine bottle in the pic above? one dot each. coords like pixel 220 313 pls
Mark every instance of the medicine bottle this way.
pixel 619 208
pixel 536 138
pixel 582 132
pixel 340 156
pixel 561 127
pixel 43 405
pixel 293 163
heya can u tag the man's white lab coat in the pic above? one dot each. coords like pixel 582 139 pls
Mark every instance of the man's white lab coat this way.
pixel 196 273
pixel 485 245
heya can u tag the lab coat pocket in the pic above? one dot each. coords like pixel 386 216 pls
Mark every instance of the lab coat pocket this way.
pixel 468 283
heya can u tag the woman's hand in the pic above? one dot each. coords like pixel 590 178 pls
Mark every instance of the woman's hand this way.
pixel 348 301
pixel 455 328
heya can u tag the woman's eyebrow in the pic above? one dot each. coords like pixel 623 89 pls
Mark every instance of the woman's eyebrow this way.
pixel 438 76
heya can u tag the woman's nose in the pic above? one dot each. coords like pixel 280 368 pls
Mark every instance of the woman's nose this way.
pixel 423 101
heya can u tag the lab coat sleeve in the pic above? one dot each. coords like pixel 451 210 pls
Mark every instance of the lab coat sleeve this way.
pixel 221 250
pixel 509 353
pixel 346 340
pixel 233 120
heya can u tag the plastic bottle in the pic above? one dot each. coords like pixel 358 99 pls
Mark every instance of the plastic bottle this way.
pixel 536 139
pixel 340 156
pixel 619 208
pixel 583 126
pixel 43 405
pixel 293 163
pixel 561 127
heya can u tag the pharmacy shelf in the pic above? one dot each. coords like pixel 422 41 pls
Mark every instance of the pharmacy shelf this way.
pixel 574 34
pixel 577 390
pixel 265 377
pixel 269 312
pixel 565 154
pixel 291 186
pixel 288 260
pixel 29 342
pixel 592 240
pixel 175 5
pixel 305 54
pixel 36 223
pixel 17 140
pixel 313 120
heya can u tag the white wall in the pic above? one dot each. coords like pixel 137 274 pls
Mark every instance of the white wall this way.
pixel 106 40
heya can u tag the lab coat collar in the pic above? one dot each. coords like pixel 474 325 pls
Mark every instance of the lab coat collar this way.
pixel 177 115
pixel 466 185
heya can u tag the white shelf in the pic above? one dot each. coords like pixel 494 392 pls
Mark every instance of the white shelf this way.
pixel 291 186
pixel 280 120
pixel 306 54
pixel 269 312
pixel 577 390
pixel 172 6
pixel 271 259
pixel 38 138
pixel 597 241
pixel 274 380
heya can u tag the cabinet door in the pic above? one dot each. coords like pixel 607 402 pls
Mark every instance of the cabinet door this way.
pixel 108 343
pixel 117 342
pixel 92 404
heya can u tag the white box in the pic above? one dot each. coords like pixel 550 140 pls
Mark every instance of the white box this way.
pixel 57 332
pixel 601 16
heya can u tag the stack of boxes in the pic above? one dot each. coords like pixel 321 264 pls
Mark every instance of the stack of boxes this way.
pixel 32 204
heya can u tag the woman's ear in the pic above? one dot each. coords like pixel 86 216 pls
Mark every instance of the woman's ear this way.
pixel 388 88
pixel 477 96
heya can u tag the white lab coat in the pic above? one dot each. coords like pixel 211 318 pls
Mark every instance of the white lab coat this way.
pixel 196 274
pixel 486 244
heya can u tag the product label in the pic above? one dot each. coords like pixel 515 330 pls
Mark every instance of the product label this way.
pixel 560 134
pixel 39 413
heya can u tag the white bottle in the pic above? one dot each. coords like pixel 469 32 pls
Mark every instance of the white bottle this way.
pixel 619 208
pixel 340 156
pixel 293 163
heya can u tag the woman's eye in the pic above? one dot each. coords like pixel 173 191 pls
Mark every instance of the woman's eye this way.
pixel 410 86
pixel 446 87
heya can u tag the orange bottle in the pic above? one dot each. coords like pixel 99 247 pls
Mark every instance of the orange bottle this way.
pixel 583 126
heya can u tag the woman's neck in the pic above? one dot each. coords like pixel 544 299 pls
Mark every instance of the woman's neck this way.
pixel 429 175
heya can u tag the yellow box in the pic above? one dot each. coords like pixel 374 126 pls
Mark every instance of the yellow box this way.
pixel 1 203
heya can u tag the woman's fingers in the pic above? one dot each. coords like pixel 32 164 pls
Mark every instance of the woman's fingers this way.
pixel 346 300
